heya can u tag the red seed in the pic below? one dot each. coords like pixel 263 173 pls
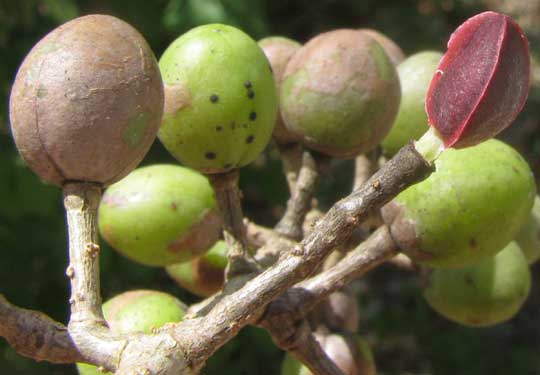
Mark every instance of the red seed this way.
pixel 482 81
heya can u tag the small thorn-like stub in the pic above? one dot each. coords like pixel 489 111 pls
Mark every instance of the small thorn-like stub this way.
pixel 92 249
pixel 376 185
pixel 352 220
pixel 482 81
pixel 101 369
pixel 70 272
pixel 298 250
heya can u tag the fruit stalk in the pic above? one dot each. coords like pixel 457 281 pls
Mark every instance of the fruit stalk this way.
pixel 299 204
pixel 362 170
pixel 291 157
pixel 234 231
pixel 81 201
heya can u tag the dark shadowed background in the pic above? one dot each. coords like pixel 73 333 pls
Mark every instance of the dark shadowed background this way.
pixel 405 334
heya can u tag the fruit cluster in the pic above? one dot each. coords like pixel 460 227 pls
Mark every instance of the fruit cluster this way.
pixel 90 98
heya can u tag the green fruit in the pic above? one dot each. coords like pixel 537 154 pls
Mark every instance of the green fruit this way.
pixel 138 311
pixel 472 205
pixel 349 352
pixel 415 74
pixel 202 276
pixel 340 93
pixel 528 237
pixel 278 51
pixel 485 294
pixel 220 99
pixel 160 215
pixel 393 51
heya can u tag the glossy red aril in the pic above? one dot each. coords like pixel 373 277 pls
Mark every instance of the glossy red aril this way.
pixel 482 81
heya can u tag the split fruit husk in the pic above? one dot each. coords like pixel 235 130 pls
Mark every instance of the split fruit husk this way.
pixel 482 81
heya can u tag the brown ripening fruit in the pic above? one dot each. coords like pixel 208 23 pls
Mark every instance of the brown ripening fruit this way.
pixel 482 81
pixel 340 93
pixel 87 101
pixel 341 311
pixel 278 51
pixel 393 51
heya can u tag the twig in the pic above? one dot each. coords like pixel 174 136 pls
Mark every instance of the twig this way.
pixel 377 249
pixel 258 235
pixel 404 262
pixel 81 201
pixel 246 305
pixel 35 335
pixel 299 204
pixel 295 336
pixel 228 197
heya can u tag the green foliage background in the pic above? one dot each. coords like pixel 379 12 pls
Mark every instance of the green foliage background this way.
pixel 404 333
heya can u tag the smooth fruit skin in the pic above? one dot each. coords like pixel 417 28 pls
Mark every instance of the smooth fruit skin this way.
pixel 340 93
pixel 470 207
pixel 160 215
pixel 485 294
pixel 394 52
pixel 482 82
pixel 220 99
pixel 278 51
pixel 87 102
pixel 349 352
pixel 411 122
pixel 528 237
pixel 202 276
pixel 138 311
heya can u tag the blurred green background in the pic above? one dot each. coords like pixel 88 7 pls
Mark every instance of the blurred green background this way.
pixel 406 336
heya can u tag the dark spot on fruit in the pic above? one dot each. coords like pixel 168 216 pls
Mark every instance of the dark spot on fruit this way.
pixel 473 243
pixel 210 155
pixel 227 166
pixel 247 84
pixel 219 128
pixel 174 206
pixel 244 126
pixel 251 94
pixel 469 279
pixel 253 116
pixel 250 138
pixel 214 98
pixel 233 125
